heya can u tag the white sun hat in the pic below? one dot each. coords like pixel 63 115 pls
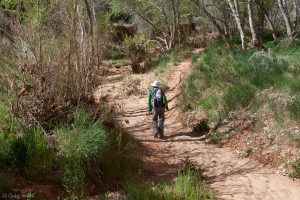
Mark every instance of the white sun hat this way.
pixel 155 83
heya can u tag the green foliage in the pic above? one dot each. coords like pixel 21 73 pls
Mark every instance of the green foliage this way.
pixel 187 186
pixel 172 58
pixel 31 152
pixel 295 85
pixel 294 108
pixel 217 138
pixel 267 69
pixel 136 50
pixel 225 80
pixel 73 175
pixel 121 158
pixel 83 139
pixel 239 95
pixel 81 142
pixel 295 169
pixel 5 153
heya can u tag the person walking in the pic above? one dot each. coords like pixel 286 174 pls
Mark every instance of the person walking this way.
pixel 157 104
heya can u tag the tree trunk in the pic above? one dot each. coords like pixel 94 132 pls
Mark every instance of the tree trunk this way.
pixel 271 25
pixel 268 18
pixel 289 29
pixel 92 30
pixel 296 7
pixel 255 41
pixel 215 23
pixel 234 6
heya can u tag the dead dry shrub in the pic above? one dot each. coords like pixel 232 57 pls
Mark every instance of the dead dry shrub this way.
pixel 131 86
pixel 53 72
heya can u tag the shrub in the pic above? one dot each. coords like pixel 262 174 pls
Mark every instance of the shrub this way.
pixel 294 108
pixel 295 169
pixel 31 151
pixel 295 85
pixel 5 153
pixel 239 95
pixel 136 50
pixel 73 175
pixel 61 76
pixel 83 139
pixel 266 69
pixel 131 85
pixel 80 143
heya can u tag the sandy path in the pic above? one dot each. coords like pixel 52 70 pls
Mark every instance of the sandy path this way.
pixel 231 177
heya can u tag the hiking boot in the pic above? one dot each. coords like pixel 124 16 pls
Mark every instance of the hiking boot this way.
pixel 161 137
pixel 156 135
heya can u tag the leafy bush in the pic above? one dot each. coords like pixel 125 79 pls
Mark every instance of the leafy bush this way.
pixel 266 69
pixel 73 175
pixel 236 77
pixel 187 186
pixel 136 50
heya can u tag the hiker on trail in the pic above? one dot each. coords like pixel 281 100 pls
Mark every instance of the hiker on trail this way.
pixel 157 103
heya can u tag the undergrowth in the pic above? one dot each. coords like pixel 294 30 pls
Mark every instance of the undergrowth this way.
pixel 187 186
pixel 295 169
pixel 226 80
pixel 80 142
pixel 165 62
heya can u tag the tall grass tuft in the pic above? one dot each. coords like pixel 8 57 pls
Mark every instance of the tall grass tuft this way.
pixel 30 151
pixel 239 95
pixel 80 142
pixel 294 108
pixel 224 80
pixel 187 186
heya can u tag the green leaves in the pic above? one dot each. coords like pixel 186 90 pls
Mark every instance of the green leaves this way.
pixel 84 139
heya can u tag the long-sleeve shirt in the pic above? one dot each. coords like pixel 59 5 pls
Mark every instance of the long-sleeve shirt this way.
pixel 149 99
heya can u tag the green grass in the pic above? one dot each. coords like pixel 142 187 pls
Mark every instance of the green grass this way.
pixel 224 80
pixel 187 186
pixel 84 138
pixel 163 63
pixel 30 151
pixel 295 169
pixel 81 142
pixel 117 63
pixel 239 95
pixel 294 108
pixel 121 159
pixel 23 148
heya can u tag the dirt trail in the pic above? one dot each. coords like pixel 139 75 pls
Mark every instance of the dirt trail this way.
pixel 229 176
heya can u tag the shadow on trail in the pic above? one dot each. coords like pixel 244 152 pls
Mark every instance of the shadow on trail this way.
pixel 192 134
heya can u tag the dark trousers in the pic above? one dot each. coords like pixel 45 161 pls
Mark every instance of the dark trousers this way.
pixel 158 118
